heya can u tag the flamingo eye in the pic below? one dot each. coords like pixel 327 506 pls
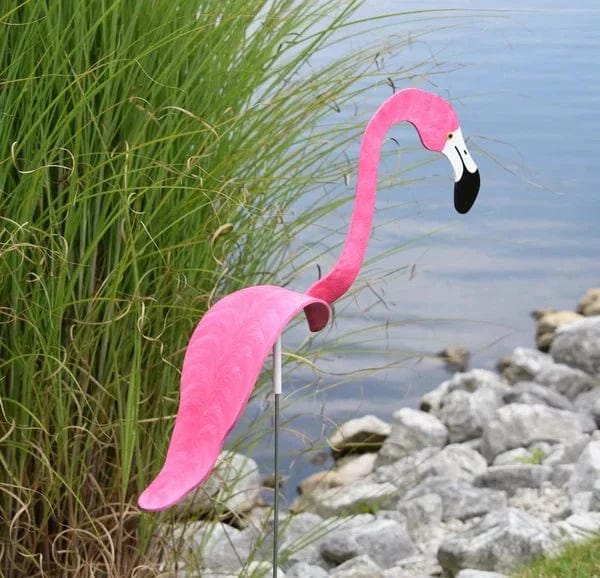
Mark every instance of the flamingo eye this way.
pixel 450 135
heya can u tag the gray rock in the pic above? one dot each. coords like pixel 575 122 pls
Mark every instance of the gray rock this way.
pixel 234 485
pixel 301 535
pixel 420 514
pixel 359 567
pixel 418 566
pixel 580 502
pixel 460 500
pixel 360 435
pixel 561 474
pixel 510 478
pixel 339 547
pixel 213 545
pixel 548 503
pixel 464 413
pixel 501 541
pixel 578 345
pixel 587 400
pixel 595 501
pixel 516 425
pixel 587 469
pixel 525 364
pixel 455 461
pixel 514 456
pixel 565 380
pixel 479 574
pixel 576 528
pixel 361 497
pixel 304 570
pixel 384 541
pixel 412 430
pixel 531 392
pixel 566 453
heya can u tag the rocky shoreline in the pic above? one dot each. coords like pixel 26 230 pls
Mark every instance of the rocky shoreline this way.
pixel 493 470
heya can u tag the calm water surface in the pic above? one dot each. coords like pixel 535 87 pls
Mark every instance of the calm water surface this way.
pixel 526 85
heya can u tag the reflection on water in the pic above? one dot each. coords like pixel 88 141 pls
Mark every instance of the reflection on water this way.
pixel 526 85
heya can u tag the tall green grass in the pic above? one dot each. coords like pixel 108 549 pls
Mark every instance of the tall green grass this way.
pixel 149 152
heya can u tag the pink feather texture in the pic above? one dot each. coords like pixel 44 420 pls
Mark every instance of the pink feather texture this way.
pixel 230 344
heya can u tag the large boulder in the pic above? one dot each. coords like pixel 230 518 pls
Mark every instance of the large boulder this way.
pixel 464 412
pixel 517 425
pixel 503 540
pixel 578 345
pixel 587 469
pixel 412 430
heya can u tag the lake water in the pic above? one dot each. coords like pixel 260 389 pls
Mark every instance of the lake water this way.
pixel 526 84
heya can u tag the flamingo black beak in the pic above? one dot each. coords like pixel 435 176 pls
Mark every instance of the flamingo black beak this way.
pixel 466 174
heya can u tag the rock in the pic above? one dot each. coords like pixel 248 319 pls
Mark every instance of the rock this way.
pixel 529 392
pixel 339 547
pixel 580 503
pixel 420 513
pixel 212 545
pixel 261 569
pixel 514 456
pixel 464 413
pixel 578 345
pixel 566 453
pixel 385 541
pixel 589 304
pixel 510 478
pixel 361 435
pixel 565 380
pixel 547 503
pixel 414 567
pixel 587 469
pixel 455 461
pixel 525 364
pixel 456 358
pixel 412 430
pixel 359 567
pixel 346 471
pixel 548 321
pixel 479 574
pixel 234 486
pixel 358 498
pixel 300 538
pixel 460 500
pixel 561 474
pixel 518 424
pixel 304 570
pixel 576 528
pixel 502 540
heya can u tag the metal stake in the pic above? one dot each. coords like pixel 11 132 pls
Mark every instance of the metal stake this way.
pixel 277 392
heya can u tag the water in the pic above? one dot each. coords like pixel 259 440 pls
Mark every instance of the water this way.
pixel 526 85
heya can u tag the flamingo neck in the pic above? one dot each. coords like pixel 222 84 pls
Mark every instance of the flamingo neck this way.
pixel 410 105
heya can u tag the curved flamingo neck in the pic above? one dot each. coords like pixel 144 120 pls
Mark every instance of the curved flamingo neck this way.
pixel 433 118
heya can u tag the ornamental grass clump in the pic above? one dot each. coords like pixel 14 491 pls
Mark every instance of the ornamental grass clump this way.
pixel 149 153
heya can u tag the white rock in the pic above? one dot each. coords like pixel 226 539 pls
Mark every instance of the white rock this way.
pixel 346 471
pixel 479 574
pixel 358 498
pixel 360 435
pixel 412 430
pixel 359 567
pixel 502 541
pixel 578 345
pixel 510 478
pixel 305 570
pixel 587 469
pixel 517 425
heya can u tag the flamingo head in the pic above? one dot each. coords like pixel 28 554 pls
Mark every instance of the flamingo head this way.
pixel 466 174
pixel 437 124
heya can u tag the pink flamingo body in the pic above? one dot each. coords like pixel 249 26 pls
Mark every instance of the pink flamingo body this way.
pixel 230 344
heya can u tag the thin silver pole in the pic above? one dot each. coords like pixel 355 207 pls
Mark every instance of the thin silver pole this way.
pixel 277 392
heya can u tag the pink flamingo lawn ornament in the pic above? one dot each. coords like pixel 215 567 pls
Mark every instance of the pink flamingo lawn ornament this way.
pixel 230 344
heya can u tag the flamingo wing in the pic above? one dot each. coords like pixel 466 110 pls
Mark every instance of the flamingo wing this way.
pixel 222 363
